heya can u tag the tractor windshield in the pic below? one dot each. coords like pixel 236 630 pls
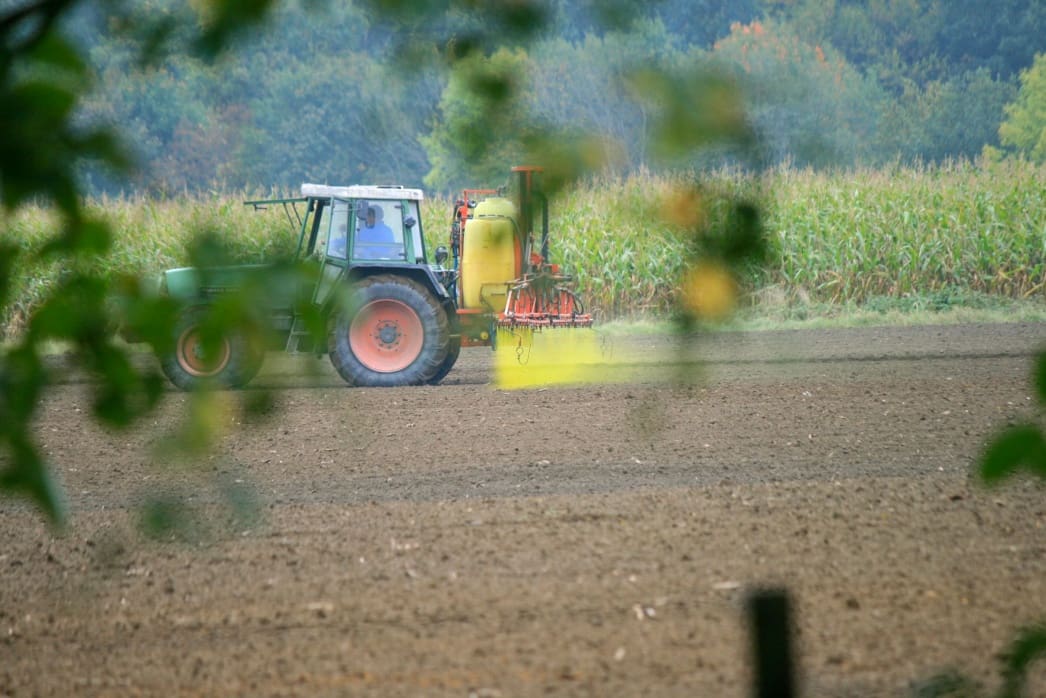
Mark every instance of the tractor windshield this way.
pixel 379 231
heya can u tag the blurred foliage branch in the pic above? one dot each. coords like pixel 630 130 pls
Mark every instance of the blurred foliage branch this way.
pixel 43 77
pixel 1020 446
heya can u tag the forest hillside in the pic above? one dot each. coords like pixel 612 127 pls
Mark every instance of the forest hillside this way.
pixel 325 92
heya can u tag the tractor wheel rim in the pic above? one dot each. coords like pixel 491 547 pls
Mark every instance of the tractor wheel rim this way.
pixel 386 336
pixel 192 359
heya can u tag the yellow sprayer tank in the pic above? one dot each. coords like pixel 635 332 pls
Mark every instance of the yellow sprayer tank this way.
pixel 489 256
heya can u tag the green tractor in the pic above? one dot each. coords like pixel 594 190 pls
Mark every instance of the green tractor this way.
pixel 373 303
pixel 398 327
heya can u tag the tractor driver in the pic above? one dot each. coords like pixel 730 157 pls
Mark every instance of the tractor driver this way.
pixel 375 232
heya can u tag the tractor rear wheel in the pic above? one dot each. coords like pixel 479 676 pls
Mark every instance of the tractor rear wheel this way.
pixel 452 357
pixel 231 363
pixel 395 333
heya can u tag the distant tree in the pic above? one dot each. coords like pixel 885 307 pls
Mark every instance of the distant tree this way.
pixel 1024 130
pixel 809 105
pixel 572 20
pixel 584 85
pixel 892 39
pixel 696 23
pixel 483 121
pixel 918 41
pixel 310 122
pixel 306 97
pixel 1002 36
pixel 942 120
pixel 700 23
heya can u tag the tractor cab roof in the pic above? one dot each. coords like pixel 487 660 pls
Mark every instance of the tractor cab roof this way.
pixel 360 191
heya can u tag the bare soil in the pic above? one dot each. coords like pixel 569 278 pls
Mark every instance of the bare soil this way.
pixel 597 541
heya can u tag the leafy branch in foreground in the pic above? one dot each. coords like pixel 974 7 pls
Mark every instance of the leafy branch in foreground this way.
pixel 43 78
pixel 1020 445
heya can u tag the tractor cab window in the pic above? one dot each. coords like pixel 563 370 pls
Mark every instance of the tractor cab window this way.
pixel 338 237
pixel 416 238
pixel 379 231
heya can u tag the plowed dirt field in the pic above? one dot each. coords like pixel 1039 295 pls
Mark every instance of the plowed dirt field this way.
pixel 596 541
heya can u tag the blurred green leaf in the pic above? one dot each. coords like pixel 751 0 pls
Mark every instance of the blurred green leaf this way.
pixel 203 426
pixel 107 148
pixel 50 104
pixel 521 18
pixel 54 51
pixel 81 237
pixel 947 685
pixel 27 474
pixel 209 251
pixel 75 310
pixel 615 14
pixel 225 20
pixel 457 48
pixel 258 405
pixel 151 320
pixel 740 237
pixel 694 110
pixel 166 516
pixel 121 393
pixel 243 502
pixel 566 156
pixel 1029 646
pixel 153 38
pixel 9 254
pixel 22 378
pixel 1021 445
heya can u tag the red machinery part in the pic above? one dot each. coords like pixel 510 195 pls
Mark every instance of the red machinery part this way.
pixel 540 301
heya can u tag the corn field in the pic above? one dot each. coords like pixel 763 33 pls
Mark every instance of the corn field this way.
pixel 840 238
pixel 833 238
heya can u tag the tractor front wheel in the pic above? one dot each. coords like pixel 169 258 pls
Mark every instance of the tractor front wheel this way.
pixel 230 362
pixel 395 333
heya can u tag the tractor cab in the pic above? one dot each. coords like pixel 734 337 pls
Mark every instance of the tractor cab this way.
pixel 363 224
pixel 358 231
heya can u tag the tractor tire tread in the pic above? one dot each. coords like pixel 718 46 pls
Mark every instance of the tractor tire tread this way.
pixel 436 330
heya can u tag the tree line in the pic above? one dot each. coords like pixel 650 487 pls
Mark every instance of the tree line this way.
pixel 328 92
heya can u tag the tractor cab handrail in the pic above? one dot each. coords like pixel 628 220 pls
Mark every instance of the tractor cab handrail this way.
pixel 289 205
pixel 259 203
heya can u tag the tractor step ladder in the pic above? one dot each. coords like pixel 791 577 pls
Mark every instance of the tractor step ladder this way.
pixel 298 331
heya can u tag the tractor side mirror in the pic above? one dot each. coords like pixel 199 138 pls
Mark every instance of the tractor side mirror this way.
pixel 441 254
pixel 361 209
pixel 409 222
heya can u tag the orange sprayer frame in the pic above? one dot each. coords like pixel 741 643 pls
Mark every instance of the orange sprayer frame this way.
pixel 540 296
